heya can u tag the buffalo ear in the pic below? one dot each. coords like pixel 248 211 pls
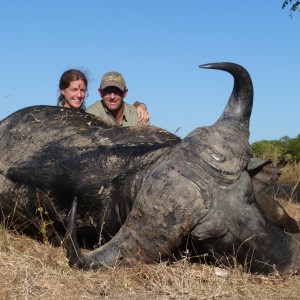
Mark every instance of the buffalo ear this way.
pixel 275 213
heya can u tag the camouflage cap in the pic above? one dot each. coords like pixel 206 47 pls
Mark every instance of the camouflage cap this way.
pixel 113 79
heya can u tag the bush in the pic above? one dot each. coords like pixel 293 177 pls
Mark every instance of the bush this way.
pixel 287 149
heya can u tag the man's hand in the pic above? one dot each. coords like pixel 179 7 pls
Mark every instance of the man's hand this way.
pixel 143 114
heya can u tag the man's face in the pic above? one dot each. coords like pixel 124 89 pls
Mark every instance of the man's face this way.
pixel 112 97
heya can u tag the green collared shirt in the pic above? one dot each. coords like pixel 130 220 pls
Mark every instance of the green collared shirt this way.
pixel 130 117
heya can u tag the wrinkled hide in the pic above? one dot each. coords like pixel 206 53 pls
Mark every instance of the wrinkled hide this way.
pixel 142 188
pixel 50 154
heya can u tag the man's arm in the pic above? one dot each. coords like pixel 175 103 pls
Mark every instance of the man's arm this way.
pixel 142 112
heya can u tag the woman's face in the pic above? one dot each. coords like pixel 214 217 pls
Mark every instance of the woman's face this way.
pixel 74 94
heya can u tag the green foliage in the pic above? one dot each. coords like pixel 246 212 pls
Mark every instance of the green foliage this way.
pixel 293 148
pixel 43 222
pixel 273 150
pixel 287 149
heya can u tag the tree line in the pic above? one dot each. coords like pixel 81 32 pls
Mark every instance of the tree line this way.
pixel 285 149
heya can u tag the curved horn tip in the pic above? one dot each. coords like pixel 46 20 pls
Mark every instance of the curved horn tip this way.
pixel 205 66
pixel 225 65
pixel 72 215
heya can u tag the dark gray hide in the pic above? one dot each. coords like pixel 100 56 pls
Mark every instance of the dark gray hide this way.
pixel 50 154
pixel 195 191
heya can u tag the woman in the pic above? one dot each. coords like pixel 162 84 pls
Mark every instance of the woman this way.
pixel 73 89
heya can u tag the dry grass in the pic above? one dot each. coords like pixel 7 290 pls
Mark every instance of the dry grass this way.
pixel 290 174
pixel 289 183
pixel 30 270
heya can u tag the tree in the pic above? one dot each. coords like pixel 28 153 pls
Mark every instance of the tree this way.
pixel 295 5
pixel 293 148
pixel 287 149
pixel 273 150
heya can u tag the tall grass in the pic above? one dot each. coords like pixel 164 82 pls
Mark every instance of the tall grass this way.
pixel 289 183
pixel 290 174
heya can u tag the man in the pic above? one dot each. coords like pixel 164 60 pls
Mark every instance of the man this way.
pixel 112 107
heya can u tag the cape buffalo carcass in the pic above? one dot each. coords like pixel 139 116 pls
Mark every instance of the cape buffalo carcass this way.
pixel 142 189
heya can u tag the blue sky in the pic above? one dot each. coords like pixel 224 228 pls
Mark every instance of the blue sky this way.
pixel 158 46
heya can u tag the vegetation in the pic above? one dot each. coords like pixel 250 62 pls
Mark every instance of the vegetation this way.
pixel 290 174
pixel 295 5
pixel 285 149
